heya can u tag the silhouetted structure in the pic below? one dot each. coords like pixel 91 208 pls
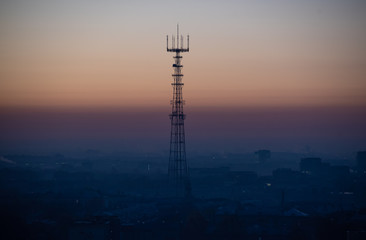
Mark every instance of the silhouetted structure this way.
pixel 310 165
pixel 178 170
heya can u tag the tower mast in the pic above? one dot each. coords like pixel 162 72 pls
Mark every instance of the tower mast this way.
pixel 178 169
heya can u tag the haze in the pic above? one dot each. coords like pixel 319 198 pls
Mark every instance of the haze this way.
pixel 246 56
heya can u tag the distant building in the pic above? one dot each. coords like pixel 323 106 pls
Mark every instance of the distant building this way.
pixel 285 175
pixel 361 161
pixel 243 177
pixel 311 165
pixel 96 228
pixel 209 171
pixel 340 171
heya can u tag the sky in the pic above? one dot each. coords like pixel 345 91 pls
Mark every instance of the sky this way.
pixel 265 55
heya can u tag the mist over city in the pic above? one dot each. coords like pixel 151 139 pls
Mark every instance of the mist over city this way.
pixel 183 120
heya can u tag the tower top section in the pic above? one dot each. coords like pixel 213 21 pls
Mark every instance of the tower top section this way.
pixel 177 44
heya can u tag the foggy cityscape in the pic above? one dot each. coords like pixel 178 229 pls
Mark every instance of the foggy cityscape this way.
pixel 183 120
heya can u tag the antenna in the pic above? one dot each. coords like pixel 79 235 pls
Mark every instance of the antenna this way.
pixel 188 42
pixel 178 43
pixel 177 35
pixel 178 167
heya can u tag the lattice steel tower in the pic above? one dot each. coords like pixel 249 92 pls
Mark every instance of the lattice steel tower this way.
pixel 178 169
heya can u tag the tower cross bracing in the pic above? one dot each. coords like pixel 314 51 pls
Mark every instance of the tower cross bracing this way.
pixel 178 169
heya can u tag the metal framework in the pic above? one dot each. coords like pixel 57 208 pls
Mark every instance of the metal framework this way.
pixel 178 169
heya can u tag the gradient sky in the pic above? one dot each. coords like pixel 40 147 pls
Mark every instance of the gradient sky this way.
pixel 243 53
pixel 253 65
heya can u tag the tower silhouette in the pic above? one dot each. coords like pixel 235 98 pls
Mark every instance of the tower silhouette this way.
pixel 178 169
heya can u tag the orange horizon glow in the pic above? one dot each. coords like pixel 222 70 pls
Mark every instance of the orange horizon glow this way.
pixel 250 55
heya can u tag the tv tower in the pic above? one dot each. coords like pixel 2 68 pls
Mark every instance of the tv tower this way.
pixel 178 169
